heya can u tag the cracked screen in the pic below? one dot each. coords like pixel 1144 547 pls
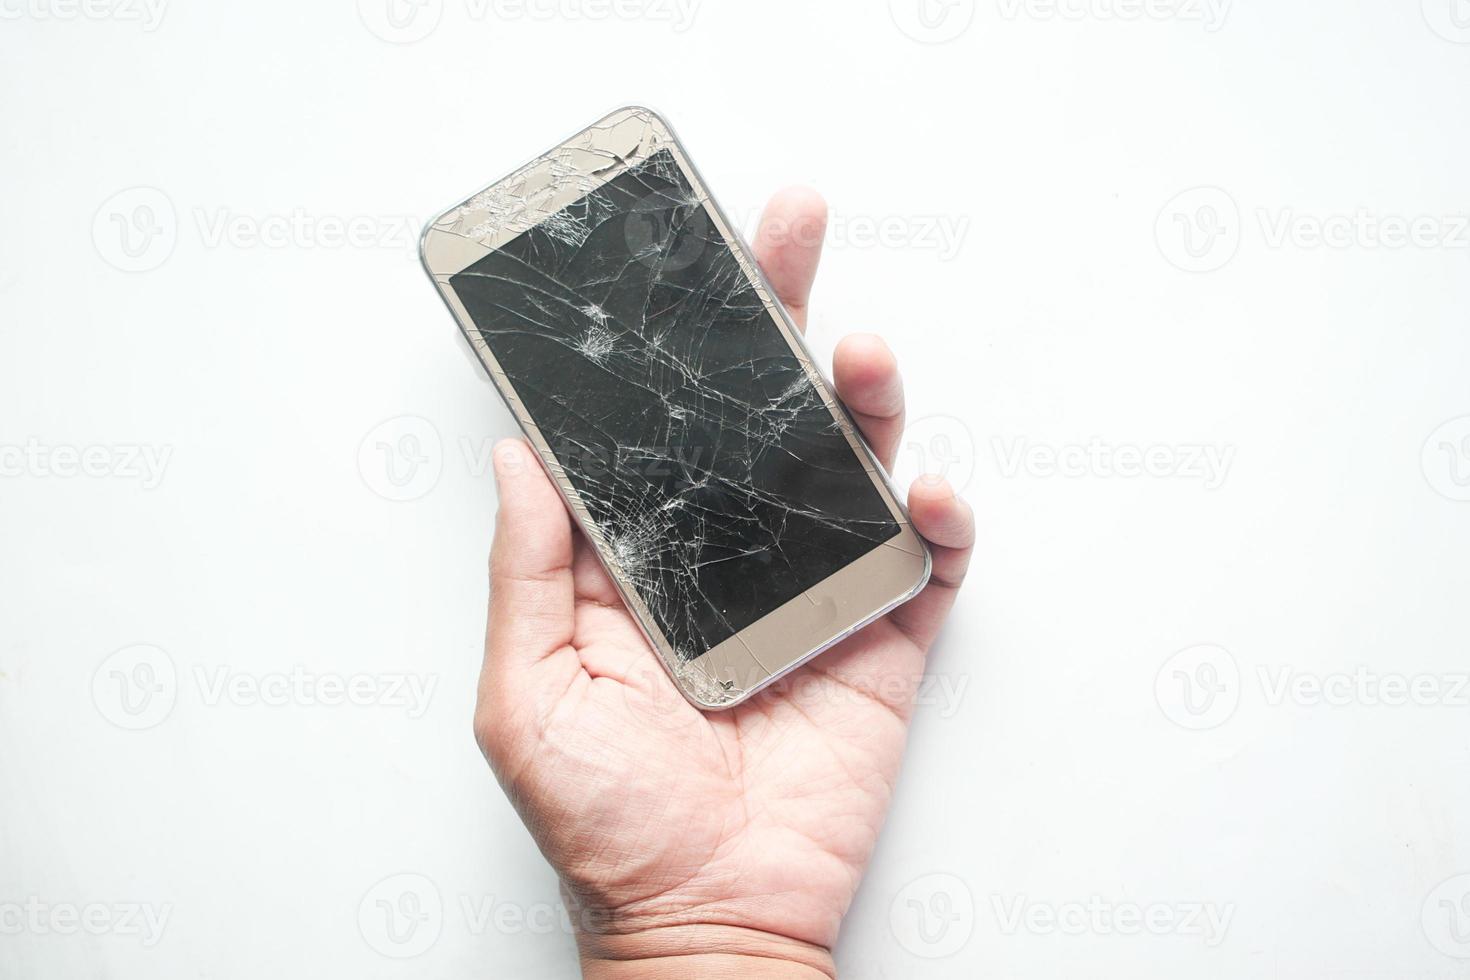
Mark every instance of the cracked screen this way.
pixel 721 483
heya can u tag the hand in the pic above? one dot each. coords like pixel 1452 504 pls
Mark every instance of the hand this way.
pixel 693 844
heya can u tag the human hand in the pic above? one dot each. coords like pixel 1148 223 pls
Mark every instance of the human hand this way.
pixel 694 844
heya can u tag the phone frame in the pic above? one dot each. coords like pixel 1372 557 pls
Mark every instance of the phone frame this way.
pixel 802 627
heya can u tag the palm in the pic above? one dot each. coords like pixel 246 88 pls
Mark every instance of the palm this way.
pixel 762 815
pixel 652 811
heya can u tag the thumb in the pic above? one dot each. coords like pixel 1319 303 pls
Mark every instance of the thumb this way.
pixel 531 593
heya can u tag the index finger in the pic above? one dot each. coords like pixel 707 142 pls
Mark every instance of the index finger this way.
pixel 788 246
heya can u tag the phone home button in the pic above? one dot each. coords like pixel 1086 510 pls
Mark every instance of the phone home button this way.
pixel 824 609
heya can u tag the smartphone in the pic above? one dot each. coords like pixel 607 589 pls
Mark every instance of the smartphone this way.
pixel 671 400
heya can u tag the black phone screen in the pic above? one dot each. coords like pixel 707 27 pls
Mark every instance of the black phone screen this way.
pixel 720 480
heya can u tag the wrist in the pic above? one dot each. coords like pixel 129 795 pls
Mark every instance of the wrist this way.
pixel 710 952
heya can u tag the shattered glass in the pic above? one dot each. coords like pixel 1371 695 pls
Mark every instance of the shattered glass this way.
pixel 718 477
pixel 696 444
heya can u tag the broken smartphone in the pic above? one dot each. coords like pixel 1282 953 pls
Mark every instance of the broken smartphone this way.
pixel 672 401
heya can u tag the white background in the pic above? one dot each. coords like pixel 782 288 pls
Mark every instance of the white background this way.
pixel 1006 182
